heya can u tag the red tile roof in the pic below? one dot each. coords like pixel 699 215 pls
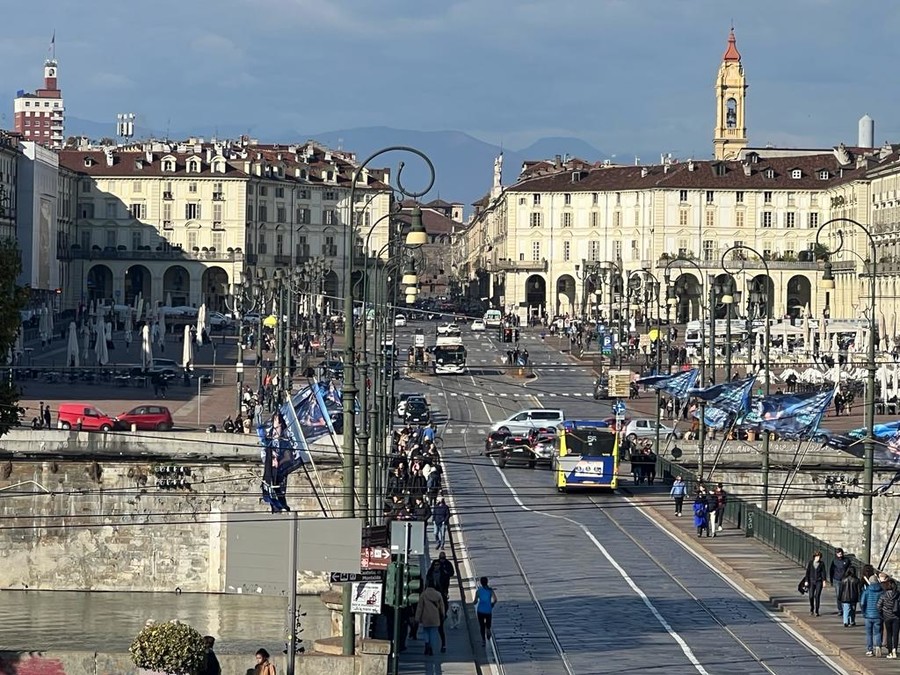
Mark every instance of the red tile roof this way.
pixel 732 53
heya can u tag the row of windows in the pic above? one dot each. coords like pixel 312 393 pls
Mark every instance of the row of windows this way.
pixel 37 104
pixel 138 238
pixel 536 219
pixel 683 196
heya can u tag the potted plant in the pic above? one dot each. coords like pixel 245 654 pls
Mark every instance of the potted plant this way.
pixel 172 647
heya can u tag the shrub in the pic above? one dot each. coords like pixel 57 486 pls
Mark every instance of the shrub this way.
pixel 171 647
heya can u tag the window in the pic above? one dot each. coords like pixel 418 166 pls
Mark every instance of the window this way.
pixel 595 219
pixel 710 218
pixel 767 197
pixel 790 219
pixel 594 250
pixel 738 218
pixel 739 197
pixel 111 210
pixel 814 199
pixel 536 250
pixel 280 214
pixel 617 249
pixel 303 193
pixel 167 212
pixel 812 220
pixel 217 190
pixel 767 219
pixel 279 193
pixel 261 243
pixel 192 240
pixel 536 200
pixel 192 211
pixel 683 248
pixel 709 251
pixel 789 254
pixel 192 187
pixel 218 241
pixel 301 251
pixel 823 175
pixel 617 219
pixel 683 217
pixel 791 199
pixel 86 210
pixel 303 216
pixel 250 189
pixel 137 186
pixel 330 196
pixel 111 239
pixel 567 219
pixel 595 198
pixel 263 211
pixel 710 196
pixel 328 216
pixel 137 240
pixel 263 191
pixel 535 219
pixel 137 211
pixel 279 244
pixel 682 196
pixel 769 173
pixel 567 199
pixel 618 199
pixel 217 212
pixel 796 173
pixel 567 250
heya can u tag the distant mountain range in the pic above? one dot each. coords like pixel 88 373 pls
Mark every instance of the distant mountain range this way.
pixel 464 165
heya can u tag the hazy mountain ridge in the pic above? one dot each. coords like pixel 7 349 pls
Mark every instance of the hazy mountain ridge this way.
pixel 463 164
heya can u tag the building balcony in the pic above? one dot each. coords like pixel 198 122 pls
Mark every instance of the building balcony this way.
pixel 167 195
pixel 218 225
pixel 329 251
pixel 282 260
pixel 519 266
pixel 749 261
pixel 109 253
pixel 218 196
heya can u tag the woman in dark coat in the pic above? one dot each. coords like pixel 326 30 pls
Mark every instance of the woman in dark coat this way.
pixel 849 596
pixel 815 581
pixel 701 514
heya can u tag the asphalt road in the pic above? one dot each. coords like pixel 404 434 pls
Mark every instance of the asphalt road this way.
pixel 586 583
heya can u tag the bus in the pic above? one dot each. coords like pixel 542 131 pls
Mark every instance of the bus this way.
pixel 449 353
pixel 586 455
pixel 492 318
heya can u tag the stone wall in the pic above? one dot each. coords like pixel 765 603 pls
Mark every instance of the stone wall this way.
pixel 69 522
pixel 832 513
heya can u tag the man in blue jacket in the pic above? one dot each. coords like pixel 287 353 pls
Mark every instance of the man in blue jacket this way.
pixel 868 600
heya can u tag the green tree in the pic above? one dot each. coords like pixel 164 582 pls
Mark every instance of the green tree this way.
pixel 11 303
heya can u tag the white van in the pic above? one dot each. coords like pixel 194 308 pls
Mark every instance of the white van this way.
pixel 533 418
pixel 493 318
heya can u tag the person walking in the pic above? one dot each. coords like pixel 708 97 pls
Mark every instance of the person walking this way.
pixel 889 607
pixel 210 662
pixel 47 417
pixel 849 595
pixel 701 515
pixel 678 492
pixel 263 665
pixel 430 615
pixel 815 581
pixel 721 501
pixel 485 600
pixel 868 605
pixel 712 508
pixel 836 573
pixel 440 516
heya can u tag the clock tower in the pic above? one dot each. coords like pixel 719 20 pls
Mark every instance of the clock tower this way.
pixel 731 94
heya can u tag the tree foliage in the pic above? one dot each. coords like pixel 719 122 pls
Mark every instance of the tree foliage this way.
pixel 171 647
pixel 13 299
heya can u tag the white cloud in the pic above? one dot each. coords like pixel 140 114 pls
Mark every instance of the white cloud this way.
pixel 105 80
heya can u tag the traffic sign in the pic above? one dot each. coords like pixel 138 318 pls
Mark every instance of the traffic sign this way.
pixel 366 598
pixel 619 383
pixel 619 409
pixel 345 577
pixel 375 557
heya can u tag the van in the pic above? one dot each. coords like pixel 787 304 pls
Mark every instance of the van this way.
pixel 533 418
pixel 493 318
pixel 85 415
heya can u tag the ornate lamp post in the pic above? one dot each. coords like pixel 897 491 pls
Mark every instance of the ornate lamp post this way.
pixel 648 286
pixel 827 284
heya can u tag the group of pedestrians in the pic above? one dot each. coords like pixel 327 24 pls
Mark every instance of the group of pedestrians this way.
pixel 709 506
pixel 873 594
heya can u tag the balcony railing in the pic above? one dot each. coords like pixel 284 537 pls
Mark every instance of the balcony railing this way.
pixel 167 195
pixel 171 254
pixel 282 260
pixel 218 196
pixel 217 225
pixel 750 262
pixel 520 266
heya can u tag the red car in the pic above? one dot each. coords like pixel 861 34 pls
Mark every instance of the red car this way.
pixel 146 418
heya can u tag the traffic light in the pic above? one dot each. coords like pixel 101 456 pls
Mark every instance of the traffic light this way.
pixel 392 580
pixel 412 584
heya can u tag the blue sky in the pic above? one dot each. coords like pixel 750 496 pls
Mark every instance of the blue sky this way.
pixel 628 76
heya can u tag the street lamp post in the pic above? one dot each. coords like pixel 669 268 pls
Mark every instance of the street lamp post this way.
pixel 242 298
pixel 648 290
pixel 828 284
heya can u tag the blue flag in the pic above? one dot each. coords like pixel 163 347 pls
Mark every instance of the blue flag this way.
pixel 677 385
pixel 795 416
pixel 733 397
pixel 284 450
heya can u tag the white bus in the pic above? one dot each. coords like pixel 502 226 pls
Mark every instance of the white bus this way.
pixel 493 318
pixel 449 354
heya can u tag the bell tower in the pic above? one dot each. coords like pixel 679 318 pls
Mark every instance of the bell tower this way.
pixel 730 135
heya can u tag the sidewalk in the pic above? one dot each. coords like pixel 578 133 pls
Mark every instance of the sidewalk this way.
pixel 770 578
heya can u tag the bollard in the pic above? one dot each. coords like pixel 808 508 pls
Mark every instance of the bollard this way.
pixel 133 427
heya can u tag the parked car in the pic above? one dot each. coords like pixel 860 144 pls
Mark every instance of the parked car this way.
pixel 533 418
pixel 601 388
pixel 83 416
pixel 646 428
pixel 400 321
pixel 218 321
pixel 251 318
pixel 478 325
pixel 417 412
pixel 451 328
pixel 517 448
pixel 146 418
pixel 404 399
pixel 332 369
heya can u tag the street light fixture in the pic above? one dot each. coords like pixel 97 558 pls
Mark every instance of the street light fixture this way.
pixel 827 283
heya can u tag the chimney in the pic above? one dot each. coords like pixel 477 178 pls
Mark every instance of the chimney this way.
pixel 644 172
pixel 108 153
pixel 691 165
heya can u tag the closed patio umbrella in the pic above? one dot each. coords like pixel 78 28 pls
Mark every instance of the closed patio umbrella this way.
pixel 146 348
pixel 162 327
pixel 201 323
pixel 100 348
pixel 72 352
pixel 187 354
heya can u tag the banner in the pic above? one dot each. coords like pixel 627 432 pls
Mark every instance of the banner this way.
pixel 677 385
pixel 794 416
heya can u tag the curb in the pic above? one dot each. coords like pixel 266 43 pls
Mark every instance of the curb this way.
pixel 848 659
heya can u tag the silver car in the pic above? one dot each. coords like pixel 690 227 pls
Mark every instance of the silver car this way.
pixel 646 428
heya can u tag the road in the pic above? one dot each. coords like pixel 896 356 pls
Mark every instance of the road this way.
pixel 586 583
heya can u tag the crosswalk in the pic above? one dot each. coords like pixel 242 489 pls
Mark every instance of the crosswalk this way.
pixel 536 394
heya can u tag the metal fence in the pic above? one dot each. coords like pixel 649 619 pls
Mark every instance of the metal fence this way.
pixel 789 541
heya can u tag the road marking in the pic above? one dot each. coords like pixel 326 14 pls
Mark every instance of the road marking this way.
pixel 685 648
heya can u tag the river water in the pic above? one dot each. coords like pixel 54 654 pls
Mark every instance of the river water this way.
pixel 108 622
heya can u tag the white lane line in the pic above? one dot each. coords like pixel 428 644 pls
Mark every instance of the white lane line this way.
pixel 686 650
pixel 771 615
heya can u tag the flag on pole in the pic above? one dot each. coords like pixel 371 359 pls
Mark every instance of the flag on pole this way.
pixel 793 416
pixel 677 385
pixel 724 401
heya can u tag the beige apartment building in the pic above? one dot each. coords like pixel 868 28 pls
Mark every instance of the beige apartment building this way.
pixel 179 223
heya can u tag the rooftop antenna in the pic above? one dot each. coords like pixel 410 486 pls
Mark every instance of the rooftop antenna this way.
pixel 340 144
pixel 125 125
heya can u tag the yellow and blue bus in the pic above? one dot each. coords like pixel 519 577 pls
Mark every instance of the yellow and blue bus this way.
pixel 586 455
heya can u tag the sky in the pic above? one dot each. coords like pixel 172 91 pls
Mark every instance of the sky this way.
pixel 628 76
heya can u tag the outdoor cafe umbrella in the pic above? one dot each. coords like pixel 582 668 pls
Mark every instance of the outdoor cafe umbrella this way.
pixel 72 355
pixel 44 323
pixel 146 349
pixel 100 348
pixel 85 341
pixel 187 354
pixel 129 324
pixel 138 307
pixel 201 323
pixel 162 327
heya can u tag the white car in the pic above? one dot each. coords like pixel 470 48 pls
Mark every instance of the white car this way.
pixel 478 324
pixel 450 328
pixel 646 428
pixel 219 320
pixel 400 321
pixel 533 418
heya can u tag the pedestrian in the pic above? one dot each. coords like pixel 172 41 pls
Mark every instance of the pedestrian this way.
pixel 678 492
pixel 211 662
pixel 485 600
pixel 721 500
pixel 889 607
pixel 849 595
pixel 868 605
pixel 441 517
pixel 701 515
pixel 712 508
pixel 263 665
pixel 430 613
pixel 815 581
pixel 836 573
